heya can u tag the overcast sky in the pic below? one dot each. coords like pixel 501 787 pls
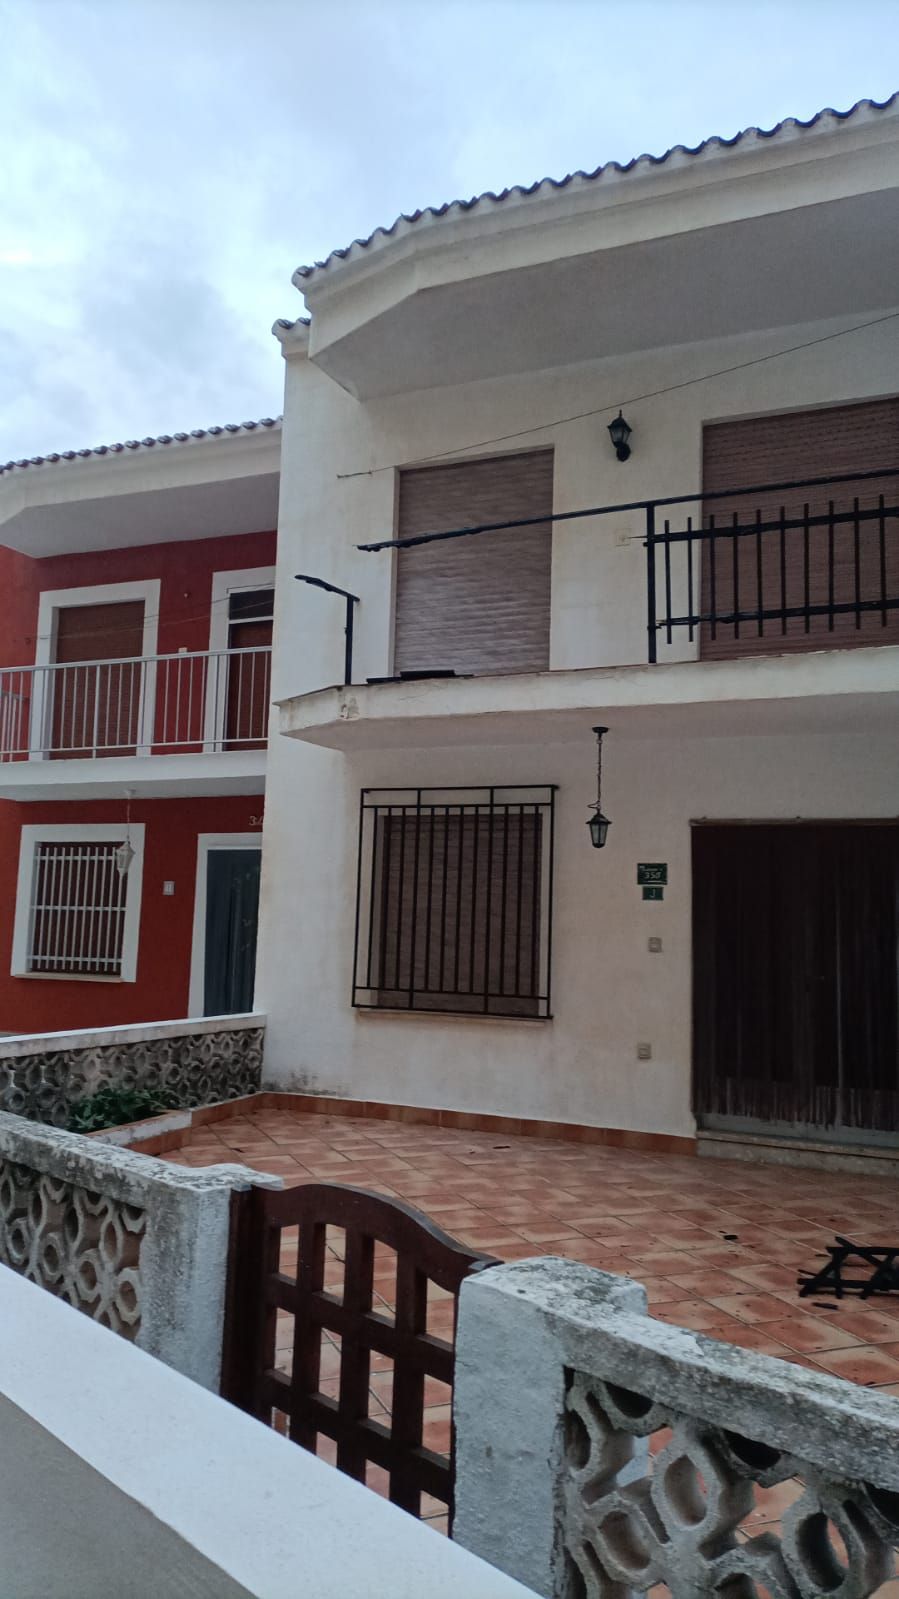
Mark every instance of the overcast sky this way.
pixel 165 166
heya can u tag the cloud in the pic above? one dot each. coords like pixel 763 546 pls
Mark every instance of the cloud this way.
pixel 167 165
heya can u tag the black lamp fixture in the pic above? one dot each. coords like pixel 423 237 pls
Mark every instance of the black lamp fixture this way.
pixel 598 824
pixel 124 854
pixel 619 433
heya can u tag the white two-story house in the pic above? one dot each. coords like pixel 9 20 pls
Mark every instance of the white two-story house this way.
pixel 719 589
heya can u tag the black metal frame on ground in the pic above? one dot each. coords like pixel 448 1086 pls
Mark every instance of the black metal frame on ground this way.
pixel 373 1228
pixel 454 900
pixel 882 1261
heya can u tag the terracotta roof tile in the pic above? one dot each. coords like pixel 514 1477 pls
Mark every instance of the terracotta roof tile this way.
pixel 140 444
pixel 545 185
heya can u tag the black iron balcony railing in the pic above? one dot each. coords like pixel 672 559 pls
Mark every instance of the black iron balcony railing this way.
pixel 807 563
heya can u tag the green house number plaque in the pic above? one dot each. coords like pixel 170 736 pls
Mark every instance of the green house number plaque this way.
pixel 651 875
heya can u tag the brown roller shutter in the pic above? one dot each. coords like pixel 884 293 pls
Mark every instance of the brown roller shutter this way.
pixel 460 912
pixel 96 708
pixel 798 445
pixel 480 604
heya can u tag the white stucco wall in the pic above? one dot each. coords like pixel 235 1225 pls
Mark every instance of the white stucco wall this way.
pixel 609 992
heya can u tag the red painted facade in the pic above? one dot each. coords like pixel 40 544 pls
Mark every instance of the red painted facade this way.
pixel 185 570
pixel 50 1004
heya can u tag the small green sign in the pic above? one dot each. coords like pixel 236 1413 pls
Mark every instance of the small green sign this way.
pixel 653 891
pixel 649 873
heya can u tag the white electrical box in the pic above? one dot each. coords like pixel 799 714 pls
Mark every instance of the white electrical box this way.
pixel 168 888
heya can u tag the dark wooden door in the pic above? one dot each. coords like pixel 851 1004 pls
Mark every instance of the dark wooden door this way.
pixel 96 693
pixel 232 914
pixel 795 994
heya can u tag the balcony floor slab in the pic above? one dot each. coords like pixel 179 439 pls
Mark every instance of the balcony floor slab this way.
pixel 855 690
pixel 145 776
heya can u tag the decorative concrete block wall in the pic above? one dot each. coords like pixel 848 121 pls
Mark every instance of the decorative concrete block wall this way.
pixel 138 1245
pixel 562 1384
pixel 197 1062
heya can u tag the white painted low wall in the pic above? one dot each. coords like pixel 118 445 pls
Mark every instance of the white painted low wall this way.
pixel 130 1480
pixel 136 1244
pixel 562 1380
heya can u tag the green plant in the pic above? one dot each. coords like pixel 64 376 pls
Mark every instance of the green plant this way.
pixel 110 1107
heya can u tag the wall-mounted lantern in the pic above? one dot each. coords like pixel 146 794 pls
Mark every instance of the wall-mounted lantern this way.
pixel 598 824
pixel 619 433
pixel 124 855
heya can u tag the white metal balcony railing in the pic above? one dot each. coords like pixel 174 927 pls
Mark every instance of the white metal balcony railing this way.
pixel 196 702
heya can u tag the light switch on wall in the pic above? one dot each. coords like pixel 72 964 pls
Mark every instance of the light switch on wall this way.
pixel 168 888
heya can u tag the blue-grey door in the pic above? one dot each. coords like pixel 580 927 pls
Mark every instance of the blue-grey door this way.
pixel 232 910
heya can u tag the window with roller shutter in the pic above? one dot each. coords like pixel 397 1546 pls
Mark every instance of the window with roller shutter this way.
pixel 793 570
pixel 454 901
pixel 482 604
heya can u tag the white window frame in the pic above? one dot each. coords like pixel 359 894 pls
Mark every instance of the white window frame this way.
pixel 78 833
pixel 50 603
pixel 224 584
pixel 206 843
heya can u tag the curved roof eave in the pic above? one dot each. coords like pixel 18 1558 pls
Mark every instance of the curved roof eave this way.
pixel 677 157
pixel 163 439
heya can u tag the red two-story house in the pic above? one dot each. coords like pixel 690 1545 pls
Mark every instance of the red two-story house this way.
pixel 136 590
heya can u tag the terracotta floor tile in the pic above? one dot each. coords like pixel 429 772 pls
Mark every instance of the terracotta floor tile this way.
pixel 767 1277
pixel 547 1235
pixel 810 1334
pixel 869 1326
pixel 660 1291
pixel 722 1256
pixel 698 1315
pixel 863 1363
pixel 666 1262
pixel 750 1307
pixel 707 1282
pixel 717 1244
pixel 756 1339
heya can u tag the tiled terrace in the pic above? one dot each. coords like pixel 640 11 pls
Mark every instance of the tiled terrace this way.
pixel 717 1244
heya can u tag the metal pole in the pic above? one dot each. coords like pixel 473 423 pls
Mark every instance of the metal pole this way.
pixel 351 600
pixel 651 583
pixel 348 656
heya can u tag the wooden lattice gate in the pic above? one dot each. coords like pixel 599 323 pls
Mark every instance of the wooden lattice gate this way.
pixel 340 1317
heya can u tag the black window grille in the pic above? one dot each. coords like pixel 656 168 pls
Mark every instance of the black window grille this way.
pixel 454 900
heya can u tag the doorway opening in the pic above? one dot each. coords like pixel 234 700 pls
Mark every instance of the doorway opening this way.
pixel 226 915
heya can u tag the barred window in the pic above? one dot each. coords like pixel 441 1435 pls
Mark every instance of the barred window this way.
pixel 454 901
pixel 77 912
